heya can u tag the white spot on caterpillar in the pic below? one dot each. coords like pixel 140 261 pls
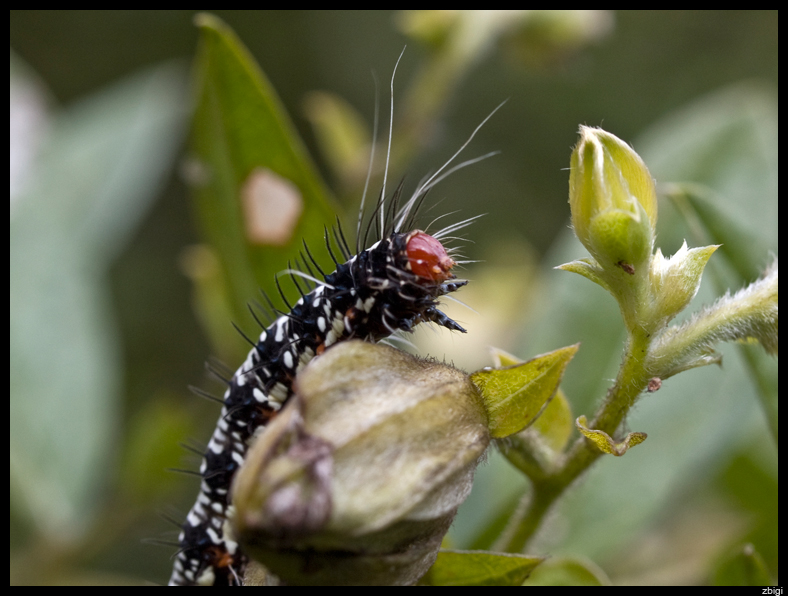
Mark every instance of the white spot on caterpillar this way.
pixel 249 363
pixel 280 329
pixel 214 446
pixel 288 359
pixel 193 519
pixel 259 395
pixel 238 458
pixel 214 536
pixel 368 303
pixel 321 324
pixel 272 206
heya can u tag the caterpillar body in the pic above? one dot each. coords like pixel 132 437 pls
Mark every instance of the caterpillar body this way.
pixel 392 286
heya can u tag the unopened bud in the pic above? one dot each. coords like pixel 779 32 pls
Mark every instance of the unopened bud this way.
pixel 613 200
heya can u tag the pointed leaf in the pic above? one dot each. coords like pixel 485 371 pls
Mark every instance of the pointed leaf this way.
pixel 554 424
pixel 516 395
pixel 479 568
pixel 589 269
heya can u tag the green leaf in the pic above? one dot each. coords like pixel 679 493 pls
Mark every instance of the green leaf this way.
pixel 516 395
pixel 554 424
pixel 246 153
pixel 479 568
pixel 589 269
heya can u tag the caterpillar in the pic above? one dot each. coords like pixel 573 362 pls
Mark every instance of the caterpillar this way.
pixel 392 286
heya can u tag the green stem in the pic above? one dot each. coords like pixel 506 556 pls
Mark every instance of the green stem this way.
pixel 632 379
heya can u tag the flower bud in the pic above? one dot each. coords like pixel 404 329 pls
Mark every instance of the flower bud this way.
pixel 613 200
pixel 358 478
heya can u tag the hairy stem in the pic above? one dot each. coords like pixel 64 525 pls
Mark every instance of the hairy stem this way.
pixel 632 379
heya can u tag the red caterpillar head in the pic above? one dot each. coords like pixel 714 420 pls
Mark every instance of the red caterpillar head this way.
pixel 427 257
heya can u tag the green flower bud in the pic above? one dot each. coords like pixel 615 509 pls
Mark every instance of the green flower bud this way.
pixel 613 200
pixel 358 478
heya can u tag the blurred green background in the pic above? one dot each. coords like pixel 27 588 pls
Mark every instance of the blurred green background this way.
pixel 645 76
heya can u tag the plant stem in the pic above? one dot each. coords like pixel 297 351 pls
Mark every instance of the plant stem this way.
pixel 632 379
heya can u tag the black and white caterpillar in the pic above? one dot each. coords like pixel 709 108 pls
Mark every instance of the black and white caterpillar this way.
pixel 392 286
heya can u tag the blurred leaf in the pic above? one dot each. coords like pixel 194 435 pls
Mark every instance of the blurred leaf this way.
pixel 241 132
pixel 727 142
pixel 744 251
pixel 145 472
pixel 741 248
pixel 479 568
pixel 492 529
pixel 567 572
pixel 343 135
pixel 95 179
pixel 516 395
pixel 745 568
